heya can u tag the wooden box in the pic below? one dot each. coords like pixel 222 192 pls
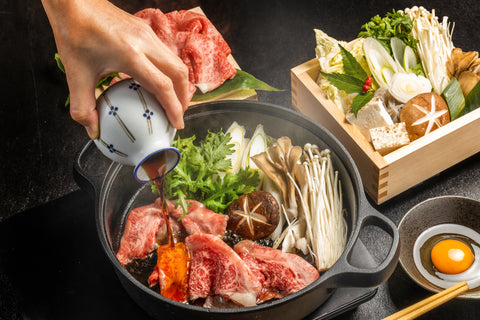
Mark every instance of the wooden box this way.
pixel 386 176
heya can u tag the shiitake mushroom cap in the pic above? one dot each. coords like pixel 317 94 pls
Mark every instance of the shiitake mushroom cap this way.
pixel 420 108
pixel 254 215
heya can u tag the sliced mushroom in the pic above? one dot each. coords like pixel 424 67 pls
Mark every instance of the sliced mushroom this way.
pixel 278 163
pixel 254 215
pixel 467 81
pixel 475 66
pixel 460 61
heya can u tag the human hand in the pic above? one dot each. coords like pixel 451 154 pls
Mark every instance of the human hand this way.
pixel 94 38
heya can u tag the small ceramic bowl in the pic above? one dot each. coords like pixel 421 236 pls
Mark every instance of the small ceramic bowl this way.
pixel 435 219
pixel 134 127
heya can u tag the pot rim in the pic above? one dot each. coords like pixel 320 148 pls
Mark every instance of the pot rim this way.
pixel 360 203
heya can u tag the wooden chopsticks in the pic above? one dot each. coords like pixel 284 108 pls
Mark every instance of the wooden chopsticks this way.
pixel 430 303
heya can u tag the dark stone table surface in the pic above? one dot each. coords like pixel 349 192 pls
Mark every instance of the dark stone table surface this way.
pixel 51 262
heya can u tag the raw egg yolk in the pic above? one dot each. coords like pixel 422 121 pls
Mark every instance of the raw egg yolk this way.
pixel 451 256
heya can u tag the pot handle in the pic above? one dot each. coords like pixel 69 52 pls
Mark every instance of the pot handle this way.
pixel 344 274
pixel 89 168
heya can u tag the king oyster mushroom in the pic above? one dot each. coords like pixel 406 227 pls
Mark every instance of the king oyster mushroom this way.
pixel 465 66
pixel 279 163
pixel 276 163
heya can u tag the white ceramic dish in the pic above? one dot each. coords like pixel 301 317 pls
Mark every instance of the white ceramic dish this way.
pixel 133 127
pixel 441 216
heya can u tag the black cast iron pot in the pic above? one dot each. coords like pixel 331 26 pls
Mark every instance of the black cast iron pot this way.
pixel 116 191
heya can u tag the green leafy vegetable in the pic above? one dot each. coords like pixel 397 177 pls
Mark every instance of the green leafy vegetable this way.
pixel 418 70
pixel 352 81
pixel 453 96
pixel 394 24
pixel 241 81
pixel 196 177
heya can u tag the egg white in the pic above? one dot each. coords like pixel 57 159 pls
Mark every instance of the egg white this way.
pixel 443 280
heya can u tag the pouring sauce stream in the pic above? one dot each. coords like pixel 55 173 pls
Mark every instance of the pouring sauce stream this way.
pixel 173 259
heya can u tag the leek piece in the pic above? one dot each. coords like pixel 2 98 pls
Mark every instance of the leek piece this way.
pixel 453 96
pixel 256 145
pixel 405 86
pixel 398 49
pixel 409 59
pixel 237 134
pixel 387 74
pixel 378 59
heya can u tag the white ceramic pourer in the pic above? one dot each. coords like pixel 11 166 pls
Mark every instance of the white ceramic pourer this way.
pixel 134 127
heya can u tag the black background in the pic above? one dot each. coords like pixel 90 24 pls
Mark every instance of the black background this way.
pixel 51 263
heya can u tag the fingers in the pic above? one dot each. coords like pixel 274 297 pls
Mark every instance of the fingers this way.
pixel 83 104
pixel 174 68
pixel 165 88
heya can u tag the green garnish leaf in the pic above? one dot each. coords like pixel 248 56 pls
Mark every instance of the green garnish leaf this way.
pixel 351 66
pixel 59 62
pixel 345 82
pixel 196 177
pixel 360 100
pixel 472 100
pixel 352 81
pixel 241 81
pixel 107 79
pixel 453 96
pixel 394 24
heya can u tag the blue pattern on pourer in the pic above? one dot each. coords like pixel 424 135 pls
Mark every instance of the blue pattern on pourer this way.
pixel 113 111
pixel 134 86
pixel 148 114
pixel 111 148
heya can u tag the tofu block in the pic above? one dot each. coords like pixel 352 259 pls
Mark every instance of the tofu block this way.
pixel 389 138
pixel 371 115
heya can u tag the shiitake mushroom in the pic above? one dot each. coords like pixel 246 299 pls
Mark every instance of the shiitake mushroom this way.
pixel 254 215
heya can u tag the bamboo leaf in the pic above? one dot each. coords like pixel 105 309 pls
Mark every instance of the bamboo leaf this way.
pixel 453 96
pixel 242 81
pixel 472 100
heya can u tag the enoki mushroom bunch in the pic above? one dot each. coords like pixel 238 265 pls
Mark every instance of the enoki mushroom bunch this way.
pixel 311 200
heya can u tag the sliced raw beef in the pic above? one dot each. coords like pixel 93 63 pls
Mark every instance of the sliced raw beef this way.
pixel 277 271
pixel 217 270
pixel 219 302
pixel 163 27
pixel 140 234
pixel 193 38
pixel 208 67
pixel 199 218
pixel 146 227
